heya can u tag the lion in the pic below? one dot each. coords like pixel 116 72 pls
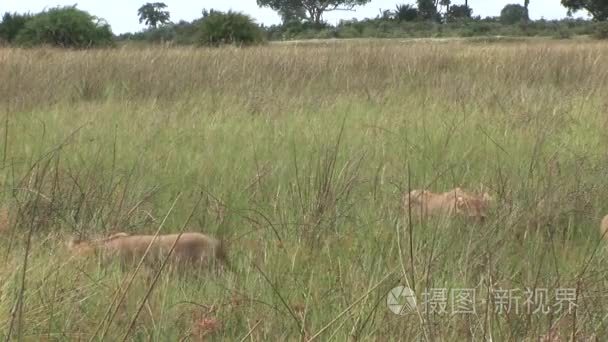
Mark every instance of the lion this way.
pixel 604 228
pixel 456 202
pixel 190 249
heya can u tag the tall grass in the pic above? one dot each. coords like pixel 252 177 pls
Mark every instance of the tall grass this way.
pixel 300 154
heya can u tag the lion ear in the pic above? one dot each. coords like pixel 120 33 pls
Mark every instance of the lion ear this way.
pixel 73 242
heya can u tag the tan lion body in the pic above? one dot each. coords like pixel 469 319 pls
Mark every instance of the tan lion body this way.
pixel 604 228
pixel 450 203
pixel 191 248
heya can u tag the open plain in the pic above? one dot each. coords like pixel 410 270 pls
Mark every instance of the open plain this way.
pixel 297 156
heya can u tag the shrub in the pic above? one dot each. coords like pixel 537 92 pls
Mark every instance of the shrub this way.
pixel 164 33
pixel 129 36
pixel 480 29
pixel 65 27
pixel 348 32
pixel 328 33
pixel 601 30
pixel 217 28
pixel 562 34
pixel 11 25
pixel 302 30
pixel 186 32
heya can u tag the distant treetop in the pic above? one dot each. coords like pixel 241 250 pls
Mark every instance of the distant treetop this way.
pixel 597 8
pixel 153 14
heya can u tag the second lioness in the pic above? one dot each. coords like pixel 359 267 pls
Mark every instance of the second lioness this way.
pixel 190 249
pixel 450 203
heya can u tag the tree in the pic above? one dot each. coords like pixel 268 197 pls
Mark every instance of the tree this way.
pixel 459 12
pixel 427 9
pixel 11 25
pixel 597 8
pixel 217 28
pixel 513 13
pixel 65 27
pixel 289 15
pixel 314 8
pixel 527 18
pixel 386 15
pixel 153 14
pixel 446 4
pixel 406 12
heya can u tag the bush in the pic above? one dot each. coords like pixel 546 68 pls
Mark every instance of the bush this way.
pixel 601 30
pixel 465 27
pixel 348 32
pixel 164 33
pixel 186 32
pixel 65 27
pixel 302 30
pixel 480 29
pixel 11 25
pixel 217 28
pixel 562 34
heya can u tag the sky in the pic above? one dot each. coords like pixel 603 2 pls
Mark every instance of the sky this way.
pixel 122 14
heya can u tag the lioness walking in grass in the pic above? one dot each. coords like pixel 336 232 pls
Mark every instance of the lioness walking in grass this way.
pixel 450 203
pixel 191 248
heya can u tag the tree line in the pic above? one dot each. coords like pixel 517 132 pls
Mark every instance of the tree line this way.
pixel 71 27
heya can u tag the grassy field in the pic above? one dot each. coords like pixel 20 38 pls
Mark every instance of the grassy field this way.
pixel 297 156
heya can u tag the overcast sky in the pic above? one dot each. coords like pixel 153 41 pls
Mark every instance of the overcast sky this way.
pixel 122 14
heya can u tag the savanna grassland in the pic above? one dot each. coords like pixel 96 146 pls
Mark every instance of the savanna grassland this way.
pixel 297 156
